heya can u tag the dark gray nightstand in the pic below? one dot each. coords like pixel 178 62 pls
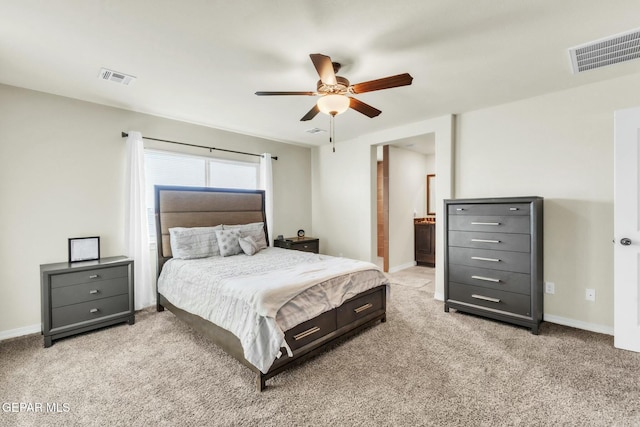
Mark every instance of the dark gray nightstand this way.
pixel 306 244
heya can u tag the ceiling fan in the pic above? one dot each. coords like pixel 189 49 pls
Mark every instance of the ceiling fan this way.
pixel 334 91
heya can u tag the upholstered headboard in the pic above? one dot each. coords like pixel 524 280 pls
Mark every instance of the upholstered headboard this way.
pixel 203 207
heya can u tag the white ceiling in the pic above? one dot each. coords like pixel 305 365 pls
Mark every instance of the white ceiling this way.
pixel 202 60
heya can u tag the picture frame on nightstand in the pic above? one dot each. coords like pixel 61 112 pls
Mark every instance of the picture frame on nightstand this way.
pixel 84 249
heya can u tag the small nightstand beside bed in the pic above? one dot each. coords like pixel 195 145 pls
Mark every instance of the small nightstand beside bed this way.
pixel 267 307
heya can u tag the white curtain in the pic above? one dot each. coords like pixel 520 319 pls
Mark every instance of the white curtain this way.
pixel 266 184
pixel 136 223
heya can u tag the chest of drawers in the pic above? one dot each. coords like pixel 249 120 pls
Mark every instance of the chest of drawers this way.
pixel 84 296
pixel 493 258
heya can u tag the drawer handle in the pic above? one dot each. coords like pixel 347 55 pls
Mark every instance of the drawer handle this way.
pixel 514 209
pixel 485 223
pixel 459 209
pixel 94 310
pixel 486 279
pixel 94 276
pixel 306 333
pixel 367 306
pixel 93 291
pixel 485 241
pixel 482 297
pixel 479 258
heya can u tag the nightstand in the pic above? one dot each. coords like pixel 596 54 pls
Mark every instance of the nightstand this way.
pixel 305 244
pixel 83 296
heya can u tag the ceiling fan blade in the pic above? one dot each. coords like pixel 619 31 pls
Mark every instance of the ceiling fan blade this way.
pixel 383 83
pixel 363 108
pixel 263 93
pixel 324 67
pixel 311 114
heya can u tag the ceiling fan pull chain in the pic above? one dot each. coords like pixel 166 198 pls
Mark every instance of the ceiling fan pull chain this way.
pixel 332 130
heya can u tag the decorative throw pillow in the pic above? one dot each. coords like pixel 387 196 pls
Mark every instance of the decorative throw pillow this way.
pixel 248 245
pixel 228 242
pixel 255 230
pixel 195 242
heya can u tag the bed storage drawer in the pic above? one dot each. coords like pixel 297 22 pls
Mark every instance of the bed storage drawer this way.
pixel 311 330
pixel 508 302
pixel 360 307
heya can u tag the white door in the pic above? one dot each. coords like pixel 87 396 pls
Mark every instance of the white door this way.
pixel 626 308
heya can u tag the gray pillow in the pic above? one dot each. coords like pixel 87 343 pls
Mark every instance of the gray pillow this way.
pixel 195 242
pixel 248 245
pixel 255 230
pixel 228 242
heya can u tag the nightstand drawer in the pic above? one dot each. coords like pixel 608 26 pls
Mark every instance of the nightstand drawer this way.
pixel 91 310
pixel 490 224
pixel 311 330
pixel 83 292
pixel 496 241
pixel 306 247
pixel 360 307
pixel 86 276
pixel 508 302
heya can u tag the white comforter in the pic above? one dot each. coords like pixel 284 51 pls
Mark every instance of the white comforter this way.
pixel 259 297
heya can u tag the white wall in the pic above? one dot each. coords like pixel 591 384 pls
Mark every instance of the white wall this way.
pixel 61 175
pixel 407 196
pixel 558 146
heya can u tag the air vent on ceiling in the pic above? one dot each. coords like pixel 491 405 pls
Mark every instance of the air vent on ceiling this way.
pixel 315 131
pixel 117 77
pixel 601 53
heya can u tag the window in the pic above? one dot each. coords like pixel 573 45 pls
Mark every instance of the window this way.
pixel 164 168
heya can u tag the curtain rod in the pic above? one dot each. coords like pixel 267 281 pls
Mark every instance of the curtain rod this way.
pixel 124 135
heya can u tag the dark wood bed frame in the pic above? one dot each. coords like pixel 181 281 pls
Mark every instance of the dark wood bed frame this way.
pixel 204 207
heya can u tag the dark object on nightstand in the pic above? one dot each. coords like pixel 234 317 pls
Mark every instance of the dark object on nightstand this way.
pixel 305 244
pixel 83 296
pixel 493 255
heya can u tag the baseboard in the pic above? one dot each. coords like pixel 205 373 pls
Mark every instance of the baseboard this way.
pixel 19 332
pixel 593 327
pixel 438 296
pixel 402 267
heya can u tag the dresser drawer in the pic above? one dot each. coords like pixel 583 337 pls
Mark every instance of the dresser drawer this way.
pixel 489 209
pixel 496 241
pixel 359 307
pixel 494 279
pixel 490 224
pixel 311 330
pixel 67 279
pixel 91 310
pixel 495 260
pixel 490 298
pixel 83 292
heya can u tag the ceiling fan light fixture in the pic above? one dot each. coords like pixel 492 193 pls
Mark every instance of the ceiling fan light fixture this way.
pixel 333 104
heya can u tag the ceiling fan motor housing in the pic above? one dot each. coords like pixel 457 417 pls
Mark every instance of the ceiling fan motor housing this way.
pixel 341 87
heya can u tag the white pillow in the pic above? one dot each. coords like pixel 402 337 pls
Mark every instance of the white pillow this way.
pixel 248 245
pixel 228 242
pixel 255 230
pixel 195 242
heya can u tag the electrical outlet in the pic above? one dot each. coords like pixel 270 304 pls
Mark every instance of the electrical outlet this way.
pixel 590 295
pixel 549 287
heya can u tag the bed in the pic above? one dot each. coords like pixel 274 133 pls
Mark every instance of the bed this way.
pixel 291 305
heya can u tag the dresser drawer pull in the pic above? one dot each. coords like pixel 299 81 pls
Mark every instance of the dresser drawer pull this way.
pixel 94 276
pixel 482 297
pixel 485 241
pixel 514 209
pixel 306 333
pixel 94 310
pixel 486 279
pixel 479 258
pixel 485 223
pixel 360 309
pixel 459 209
pixel 93 291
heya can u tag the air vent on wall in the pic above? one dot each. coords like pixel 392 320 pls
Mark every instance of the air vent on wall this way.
pixel 117 77
pixel 601 53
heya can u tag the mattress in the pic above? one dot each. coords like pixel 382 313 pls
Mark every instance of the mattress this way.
pixel 259 297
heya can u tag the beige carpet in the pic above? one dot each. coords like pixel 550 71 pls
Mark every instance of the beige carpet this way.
pixel 421 367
